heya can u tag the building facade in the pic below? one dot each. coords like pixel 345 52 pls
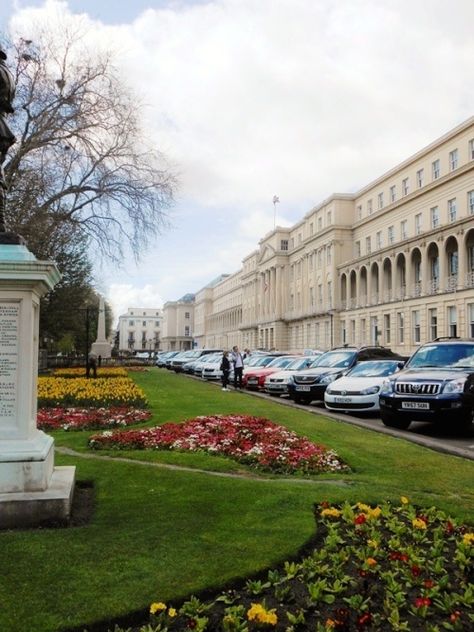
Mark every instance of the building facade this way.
pixel 392 264
pixel 178 324
pixel 140 330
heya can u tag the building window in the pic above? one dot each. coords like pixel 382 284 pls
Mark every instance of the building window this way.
pixel 405 186
pixel 470 202
pixel 386 327
pixel 391 235
pixel 357 249
pixel 378 240
pixel 284 242
pixel 470 320
pixel 320 223
pixel 131 323
pixel 393 193
pixel 418 223
pixel 369 207
pixel 311 230
pixel 403 229
pixel 328 254
pixel 329 218
pixel 380 201
pixel 452 210
pixel 299 238
pixel 471 149
pixel 311 296
pixel 186 314
pixel 368 247
pixel 415 316
pixel 433 323
pixel 420 177
pixel 353 330
pixel 435 169
pixel 452 321
pixel 434 214
pixel 362 332
pixel 359 211
pixel 186 330
pixel 320 294
pixel 144 323
pixel 453 263
pixel 401 327
pixel 453 159
pixel 329 294
pixel 343 332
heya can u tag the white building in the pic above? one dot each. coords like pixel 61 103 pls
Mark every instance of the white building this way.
pixel 140 329
pixel 178 324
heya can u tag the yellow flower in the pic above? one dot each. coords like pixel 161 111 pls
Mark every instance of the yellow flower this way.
pixel 374 513
pixel 404 500
pixel 418 523
pixel 157 607
pixel 363 507
pixel 332 512
pixel 258 614
pixel 373 543
pixel 172 612
pixel 468 538
pixel 371 562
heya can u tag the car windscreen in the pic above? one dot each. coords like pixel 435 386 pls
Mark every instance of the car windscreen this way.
pixel 336 359
pixel 456 356
pixel 263 361
pixel 280 362
pixel 300 363
pixel 375 369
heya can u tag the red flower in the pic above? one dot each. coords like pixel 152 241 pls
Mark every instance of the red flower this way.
pixel 364 620
pixel 455 616
pixel 360 519
pixel 429 583
pixel 421 602
pixel 415 570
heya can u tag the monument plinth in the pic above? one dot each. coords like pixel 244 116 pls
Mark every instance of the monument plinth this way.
pixel 32 490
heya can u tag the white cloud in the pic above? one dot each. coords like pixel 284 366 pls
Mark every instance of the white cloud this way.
pixel 299 98
pixel 121 296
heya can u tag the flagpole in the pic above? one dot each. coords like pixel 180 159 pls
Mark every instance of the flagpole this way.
pixel 275 200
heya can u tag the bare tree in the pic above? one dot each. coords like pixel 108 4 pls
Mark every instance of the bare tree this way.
pixel 81 159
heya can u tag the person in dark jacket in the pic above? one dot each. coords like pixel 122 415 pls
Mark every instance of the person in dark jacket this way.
pixel 225 368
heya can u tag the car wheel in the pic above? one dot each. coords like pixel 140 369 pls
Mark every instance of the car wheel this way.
pixel 390 420
pixel 465 423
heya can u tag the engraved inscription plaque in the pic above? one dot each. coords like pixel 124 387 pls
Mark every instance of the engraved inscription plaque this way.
pixel 9 323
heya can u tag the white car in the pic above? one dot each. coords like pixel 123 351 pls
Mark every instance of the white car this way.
pixel 358 390
pixel 276 383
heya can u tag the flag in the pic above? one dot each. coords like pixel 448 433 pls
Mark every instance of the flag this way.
pixel 275 199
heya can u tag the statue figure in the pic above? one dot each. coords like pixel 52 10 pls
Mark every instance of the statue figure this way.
pixel 7 138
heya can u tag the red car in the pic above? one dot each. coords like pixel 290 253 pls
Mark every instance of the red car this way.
pixel 254 377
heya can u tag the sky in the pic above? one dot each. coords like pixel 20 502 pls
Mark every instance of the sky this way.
pixel 255 98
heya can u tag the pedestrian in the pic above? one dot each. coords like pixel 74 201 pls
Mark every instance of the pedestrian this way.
pixel 225 368
pixel 92 365
pixel 238 361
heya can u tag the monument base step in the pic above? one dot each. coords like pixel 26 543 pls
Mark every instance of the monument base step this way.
pixel 33 509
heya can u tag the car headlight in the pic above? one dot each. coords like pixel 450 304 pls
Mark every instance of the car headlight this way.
pixel 327 379
pixel 454 386
pixel 371 390
pixel 387 387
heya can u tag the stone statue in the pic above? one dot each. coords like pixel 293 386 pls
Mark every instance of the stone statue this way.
pixel 7 138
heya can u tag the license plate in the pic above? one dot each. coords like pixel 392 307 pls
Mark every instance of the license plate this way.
pixel 416 405
pixel 303 388
pixel 343 400
pixel 252 380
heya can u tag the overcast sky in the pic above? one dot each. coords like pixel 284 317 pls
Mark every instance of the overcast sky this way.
pixel 256 98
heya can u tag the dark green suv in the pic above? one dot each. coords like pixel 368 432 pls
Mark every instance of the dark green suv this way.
pixel 436 384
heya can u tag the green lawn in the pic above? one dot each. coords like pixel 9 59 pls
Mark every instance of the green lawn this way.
pixel 159 534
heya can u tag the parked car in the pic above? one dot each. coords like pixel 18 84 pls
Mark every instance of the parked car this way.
pixel 254 377
pixel 359 389
pixel 277 383
pixel 187 356
pixel 436 385
pixel 203 360
pixel 212 369
pixel 309 385
pixel 164 357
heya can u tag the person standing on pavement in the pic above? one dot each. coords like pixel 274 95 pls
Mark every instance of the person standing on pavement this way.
pixel 238 362
pixel 225 368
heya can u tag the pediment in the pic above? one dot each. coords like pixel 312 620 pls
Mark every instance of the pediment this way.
pixel 266 252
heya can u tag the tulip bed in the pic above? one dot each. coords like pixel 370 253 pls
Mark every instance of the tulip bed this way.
pixel 254 441
pixel 113 371
pixel 99 392
pixel 382 568
pixel 60 418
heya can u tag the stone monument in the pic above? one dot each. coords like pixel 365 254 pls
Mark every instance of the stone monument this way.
pixel 101 347
pixel 32 490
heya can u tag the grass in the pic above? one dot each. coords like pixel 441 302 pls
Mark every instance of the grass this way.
pixel 159 534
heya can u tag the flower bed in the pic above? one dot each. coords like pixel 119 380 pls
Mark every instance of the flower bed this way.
pixel 251 440
pixel 112 371
pixel 89 418
pixel 60 391
pixel 378 569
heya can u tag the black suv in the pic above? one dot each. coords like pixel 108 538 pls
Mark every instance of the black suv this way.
pixel 306 386
pixel 436 384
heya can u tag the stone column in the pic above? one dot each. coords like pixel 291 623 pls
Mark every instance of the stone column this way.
pixel 101 347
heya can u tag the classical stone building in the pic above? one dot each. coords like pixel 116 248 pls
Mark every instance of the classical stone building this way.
pixel 140 329
pixel 178 324
pixel 392 264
